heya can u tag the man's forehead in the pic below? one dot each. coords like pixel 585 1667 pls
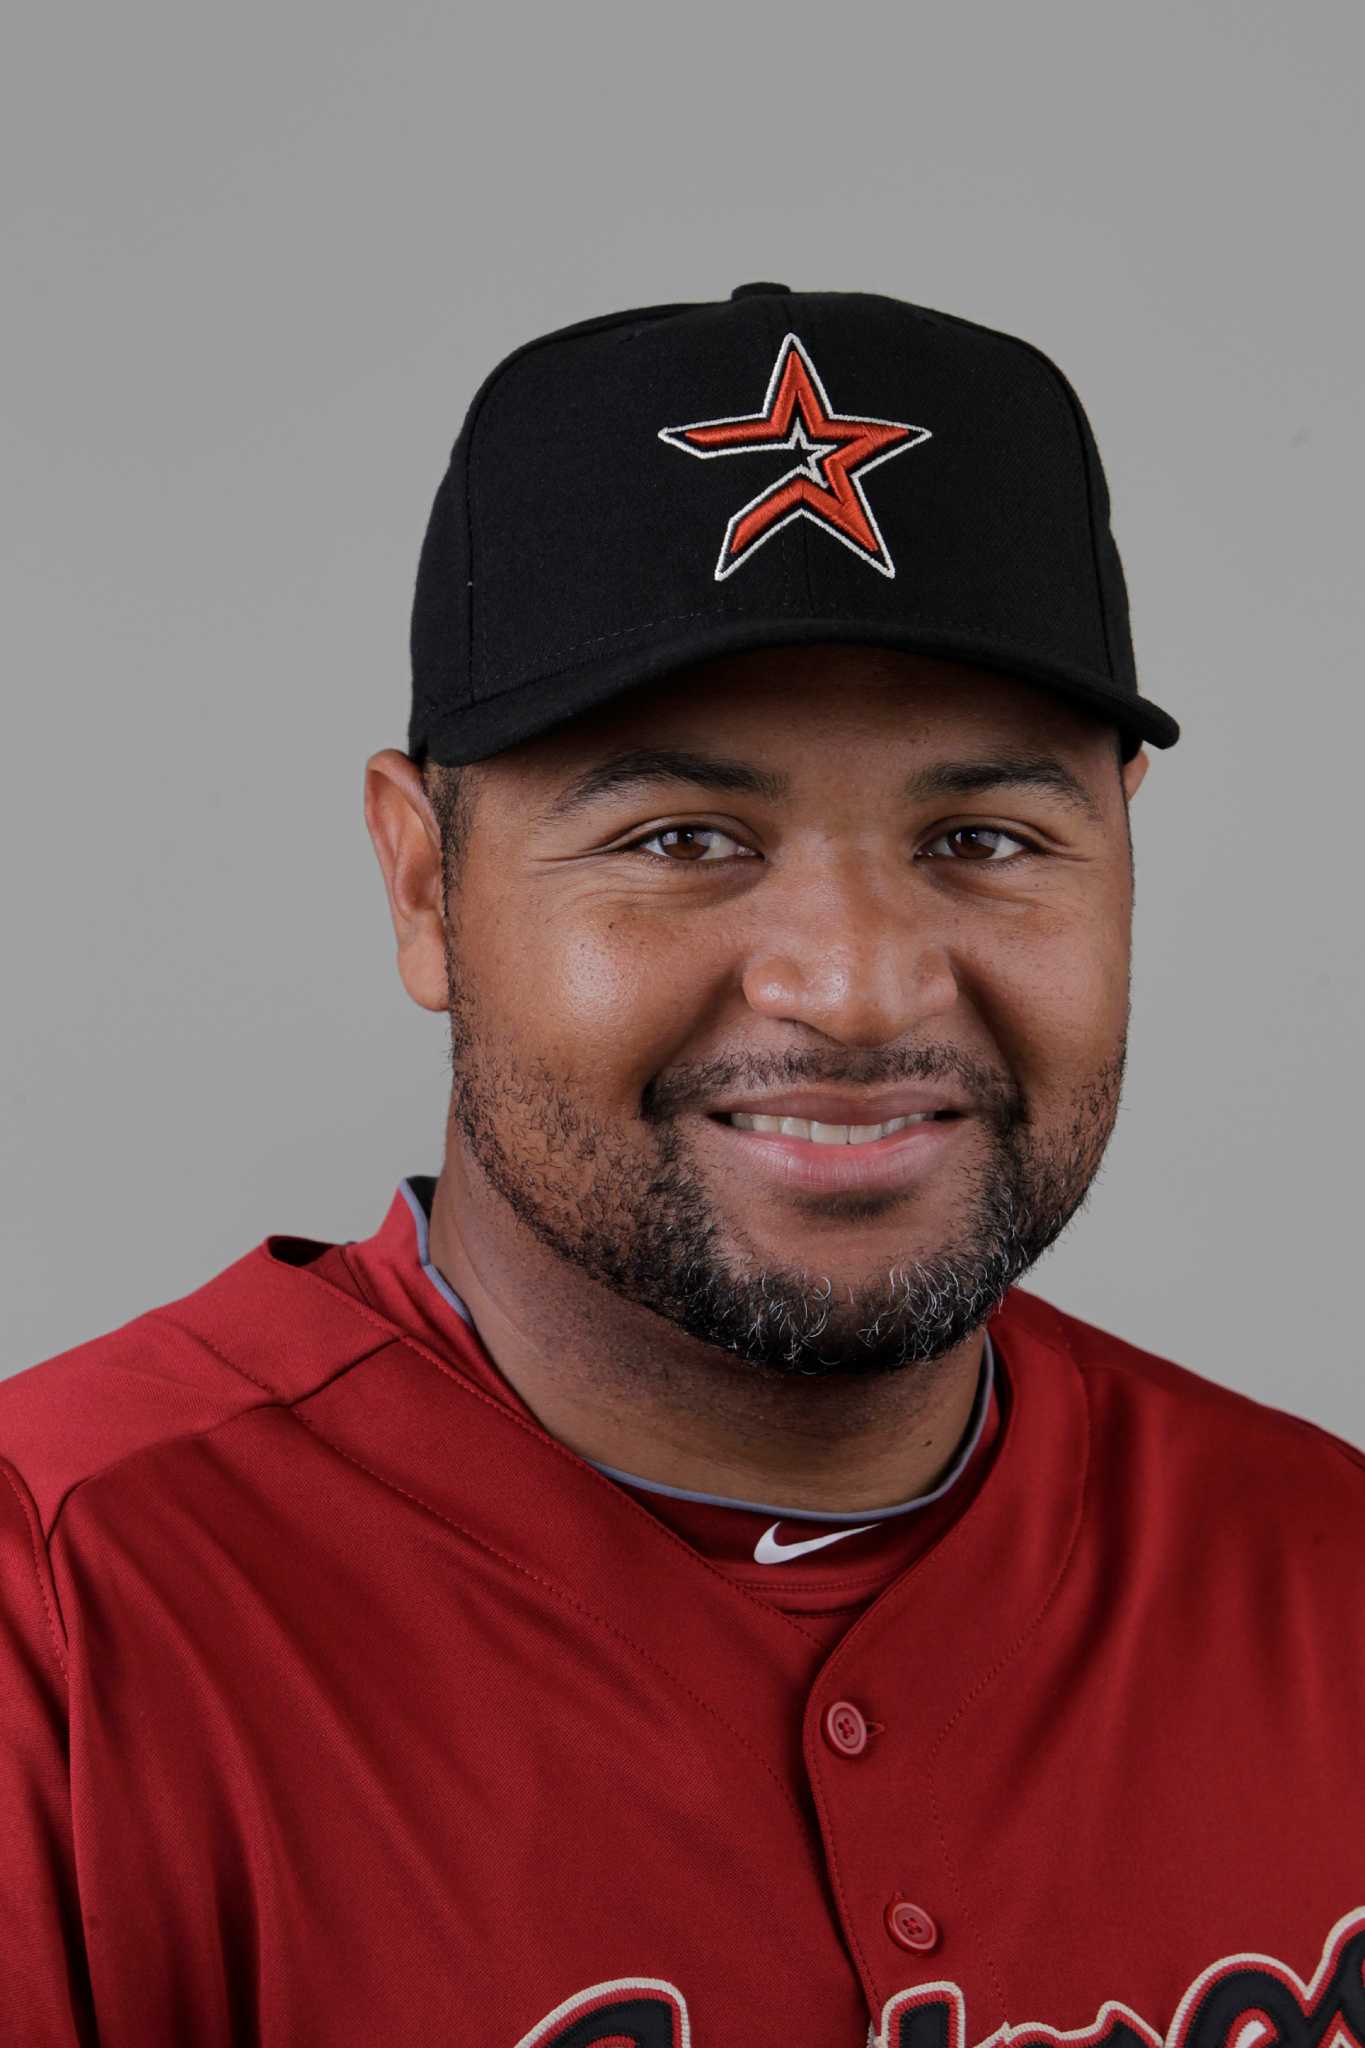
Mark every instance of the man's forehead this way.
pixel 632 769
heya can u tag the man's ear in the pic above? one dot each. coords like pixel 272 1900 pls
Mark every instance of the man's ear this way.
pixel 1133 772
pixel 407 842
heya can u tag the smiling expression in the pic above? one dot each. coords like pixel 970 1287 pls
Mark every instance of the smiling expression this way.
pixel 810 892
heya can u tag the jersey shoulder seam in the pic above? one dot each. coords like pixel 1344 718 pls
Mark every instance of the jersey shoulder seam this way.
pixel 1216 1392
pixel 274 1399
pixel 39 1556
pixel 358 1277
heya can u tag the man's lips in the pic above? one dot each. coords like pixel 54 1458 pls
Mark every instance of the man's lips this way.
pixel 829 1106
pixel 802 1165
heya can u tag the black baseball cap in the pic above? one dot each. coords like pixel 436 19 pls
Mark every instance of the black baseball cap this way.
pixel 645 490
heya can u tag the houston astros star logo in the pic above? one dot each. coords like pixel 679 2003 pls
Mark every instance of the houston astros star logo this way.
pixel 835 451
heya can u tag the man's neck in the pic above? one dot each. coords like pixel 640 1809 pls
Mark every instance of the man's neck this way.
pixel 623 1387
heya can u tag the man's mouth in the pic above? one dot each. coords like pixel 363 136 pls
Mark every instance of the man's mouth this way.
pixel 811 1132
pixel 801 1157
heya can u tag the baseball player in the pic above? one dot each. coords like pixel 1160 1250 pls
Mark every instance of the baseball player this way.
pixel 669 1584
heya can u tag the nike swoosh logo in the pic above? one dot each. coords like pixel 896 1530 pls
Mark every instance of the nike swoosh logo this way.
pixel 768 1550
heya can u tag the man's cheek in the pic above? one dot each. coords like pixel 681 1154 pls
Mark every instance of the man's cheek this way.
pixel 617 988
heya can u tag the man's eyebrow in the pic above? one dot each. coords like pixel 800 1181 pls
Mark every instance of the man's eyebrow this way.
pixel 640 768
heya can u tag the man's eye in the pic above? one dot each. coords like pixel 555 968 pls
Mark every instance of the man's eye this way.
pixel 684 832
pixel 996 832
pixel 687 837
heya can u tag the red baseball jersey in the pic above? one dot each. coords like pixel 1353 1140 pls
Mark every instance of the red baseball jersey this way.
pixel 344 1707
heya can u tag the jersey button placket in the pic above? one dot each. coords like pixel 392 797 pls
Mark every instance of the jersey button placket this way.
pixel 847 1731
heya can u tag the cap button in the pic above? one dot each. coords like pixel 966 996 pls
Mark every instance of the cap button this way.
pixel 759 291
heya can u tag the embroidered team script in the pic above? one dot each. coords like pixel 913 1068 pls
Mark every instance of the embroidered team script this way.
pixel 1244 2001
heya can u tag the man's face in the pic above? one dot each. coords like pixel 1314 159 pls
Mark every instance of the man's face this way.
pixel 604 996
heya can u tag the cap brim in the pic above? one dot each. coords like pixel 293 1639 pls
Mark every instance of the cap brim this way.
pixel 541 703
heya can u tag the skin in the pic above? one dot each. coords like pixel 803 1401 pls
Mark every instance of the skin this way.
pixel 656 1305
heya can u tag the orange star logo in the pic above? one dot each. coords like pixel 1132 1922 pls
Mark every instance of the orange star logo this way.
pixel 836 451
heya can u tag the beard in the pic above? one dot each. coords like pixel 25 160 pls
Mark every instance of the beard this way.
pixel 641 1218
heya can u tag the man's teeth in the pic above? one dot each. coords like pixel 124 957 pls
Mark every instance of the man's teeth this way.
pixel 826 1134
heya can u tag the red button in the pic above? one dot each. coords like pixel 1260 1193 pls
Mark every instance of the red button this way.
pixel 910 1926
pixel 845 1728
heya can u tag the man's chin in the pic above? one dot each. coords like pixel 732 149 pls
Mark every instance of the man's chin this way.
pixel 807 1324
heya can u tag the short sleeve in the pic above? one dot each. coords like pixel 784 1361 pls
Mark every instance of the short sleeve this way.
pixel 45 1998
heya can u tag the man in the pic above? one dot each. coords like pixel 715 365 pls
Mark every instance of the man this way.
pixel 669 1584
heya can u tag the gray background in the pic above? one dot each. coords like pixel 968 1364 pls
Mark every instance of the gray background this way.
pixel 257 259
